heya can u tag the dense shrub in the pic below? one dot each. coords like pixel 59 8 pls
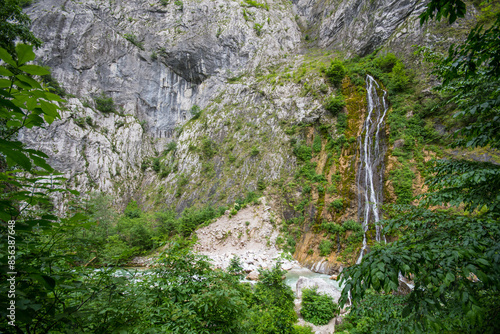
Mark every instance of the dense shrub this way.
pixel 352 225
pixel 316 308
pixel 398 78
pixel 195 112
pixel 402 180
pixel 387 62
pixel 341 122
pixel 317 144
pixel 335 104
pixel 104 103
pixel 303 152
pixel 335 72
pixel 325 247
pixel 337 204
pixel 208 147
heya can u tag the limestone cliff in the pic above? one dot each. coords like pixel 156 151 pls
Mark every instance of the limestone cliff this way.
pixel 228 81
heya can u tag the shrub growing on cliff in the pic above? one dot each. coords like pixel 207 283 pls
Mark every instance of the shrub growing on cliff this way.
pixel 317 308
pixel 303 152
pixel 335 104
pixel 335 72
pixel 134 40
pixel 325 247
pixel 317 144
pixel 195 112
pixel 104 103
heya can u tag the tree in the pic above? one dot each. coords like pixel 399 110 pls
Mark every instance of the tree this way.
pixel 453 255
pixel 14 24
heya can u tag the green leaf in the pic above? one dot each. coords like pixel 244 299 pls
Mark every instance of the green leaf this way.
pixel 5 72
pixel 17 157
pixel 24 53
pixel 6 57
pixel 30 81
pixel 48 282
pixel 34 70
pixel 50 111
pixel 5 83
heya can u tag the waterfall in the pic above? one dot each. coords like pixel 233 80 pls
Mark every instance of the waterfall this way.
pixel 372 149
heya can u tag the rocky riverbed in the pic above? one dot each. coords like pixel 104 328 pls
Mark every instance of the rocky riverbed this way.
pixel 249 234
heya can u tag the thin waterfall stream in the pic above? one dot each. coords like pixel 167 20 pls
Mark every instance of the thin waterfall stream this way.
pixel 372 147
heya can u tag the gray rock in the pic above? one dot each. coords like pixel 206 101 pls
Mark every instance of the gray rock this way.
pixel 253 276
pixel 322 287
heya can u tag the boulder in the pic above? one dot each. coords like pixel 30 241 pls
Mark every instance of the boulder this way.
pixel 253 276
pixel 321 286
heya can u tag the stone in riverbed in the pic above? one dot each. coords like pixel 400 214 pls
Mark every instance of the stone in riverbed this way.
pixel 253 276
pixel 322 287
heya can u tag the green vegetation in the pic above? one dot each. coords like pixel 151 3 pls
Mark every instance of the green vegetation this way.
pixel 14 25
pixel 402 180
pixel 317 308
pixel 325 247
pixel 317 144
pixel 195 112
pixel 53 85
pixel 376 314
pixel 336 72
pixel 179 4
pixel 452 254
pixel 254 151
pixel 303 152
pixel 133 39
pixel 104 103
pixel 258 28
pixel 252 3
pixel 335 104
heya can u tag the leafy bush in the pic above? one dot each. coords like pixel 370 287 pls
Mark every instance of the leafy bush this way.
pixel 386 63
pixel 303 152
pixel 235 265
pixel 335 104
pixel 89 120
pixel 333 228
pixel 352 225
pixel 399 79
pixel 156 165
pixel 302 330
pixel 341 122
pixel 254 151
pixel 208 147
pixel 195 112
pixel 133 39
pixel 53 85
pixel 402 180
pixel 325 247
pixel 317 144
pixel 337 204
pixel 335 72
pixel 80 121
pixel 132 210
pixel 171 146
pixel 104 103
pixel 316 308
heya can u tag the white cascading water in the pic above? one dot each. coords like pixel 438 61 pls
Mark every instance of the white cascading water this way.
pixel 371 168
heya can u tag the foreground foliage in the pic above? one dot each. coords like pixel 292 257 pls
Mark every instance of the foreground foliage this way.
pixel 317 308
pixel 451 255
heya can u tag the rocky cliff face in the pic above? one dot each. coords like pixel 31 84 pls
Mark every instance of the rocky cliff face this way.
pixel 246 66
